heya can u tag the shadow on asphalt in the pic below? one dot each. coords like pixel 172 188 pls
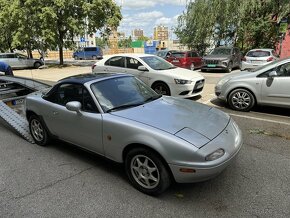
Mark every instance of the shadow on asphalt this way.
pixel 259 109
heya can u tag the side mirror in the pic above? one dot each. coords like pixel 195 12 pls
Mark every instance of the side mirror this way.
pixel 74 106
pixel 273 74
pixel 142 68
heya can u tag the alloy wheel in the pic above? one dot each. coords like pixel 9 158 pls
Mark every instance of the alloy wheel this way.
pixel 37 130
pixel 145 171
pixel 241 100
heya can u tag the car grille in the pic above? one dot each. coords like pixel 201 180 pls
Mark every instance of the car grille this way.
pixel 211 61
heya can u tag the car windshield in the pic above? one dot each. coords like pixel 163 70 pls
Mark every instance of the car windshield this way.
pixel 178 54
pixel 157 63
pixel 122 92
pixel 161 53
pixel 221 51
pixel 258 54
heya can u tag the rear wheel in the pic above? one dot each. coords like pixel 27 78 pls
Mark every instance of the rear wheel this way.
pixel 38 131
pixel 241 100
pixel 37 65
pixel 146 171
pixel 161 88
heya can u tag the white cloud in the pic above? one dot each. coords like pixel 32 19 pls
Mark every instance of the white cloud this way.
pixel 143 4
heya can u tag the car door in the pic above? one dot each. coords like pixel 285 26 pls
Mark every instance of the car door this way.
pixel 115 64
pixel 24 61
pixel 83 129
pixel 13 61
pixel 132 65
pixel 276 89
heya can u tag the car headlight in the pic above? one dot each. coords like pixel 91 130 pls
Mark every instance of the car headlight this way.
pixel 182 81
pixel 215 155
pixel 223 81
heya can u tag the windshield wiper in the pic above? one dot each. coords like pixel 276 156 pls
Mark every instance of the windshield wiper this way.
pixel 152 98
pixel 124 106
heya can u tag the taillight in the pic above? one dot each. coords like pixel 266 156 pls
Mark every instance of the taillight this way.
pixel 270 59
pixel 94 65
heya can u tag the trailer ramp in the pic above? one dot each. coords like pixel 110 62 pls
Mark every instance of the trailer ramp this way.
pixel 17 122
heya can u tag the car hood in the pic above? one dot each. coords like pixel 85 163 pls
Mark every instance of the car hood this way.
pixel 194 122
pixel 238 74
pixel 182 73
pixel 217 57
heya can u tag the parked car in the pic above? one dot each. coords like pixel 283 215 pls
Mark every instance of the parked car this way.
pixel 187 59
pixel 258 57
pixel 265 85
pixel 158 139
pixel 160 75
pixel 88 53
pixel 164 53
pixel 222 58
pixel 20 61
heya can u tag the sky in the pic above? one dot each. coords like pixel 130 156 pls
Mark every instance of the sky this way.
pixel 146 14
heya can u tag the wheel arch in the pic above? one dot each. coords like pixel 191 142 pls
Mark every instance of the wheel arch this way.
pixel 242 87
pixel 139 145
pixel 161 81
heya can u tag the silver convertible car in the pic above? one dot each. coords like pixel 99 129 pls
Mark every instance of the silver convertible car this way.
pixel 160 139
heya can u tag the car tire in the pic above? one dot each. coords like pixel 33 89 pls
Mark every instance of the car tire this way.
pixel 192 66
pixel 37 65
pixel 230 67
pixel 76 57
pixel 146 171
pixel 94 57
pixel 161 88
pixel 241 100
pixel 38 131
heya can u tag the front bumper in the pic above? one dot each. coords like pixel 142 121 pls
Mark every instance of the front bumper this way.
pixel 217 65
pixel 230 140
pixel 187 90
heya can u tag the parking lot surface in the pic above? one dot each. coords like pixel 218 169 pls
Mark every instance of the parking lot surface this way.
pixel 63 181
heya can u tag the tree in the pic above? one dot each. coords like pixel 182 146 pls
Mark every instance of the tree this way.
pixel 40 24
pixel 245 23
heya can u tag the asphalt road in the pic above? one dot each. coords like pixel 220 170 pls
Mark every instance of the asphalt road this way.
pixel 63 181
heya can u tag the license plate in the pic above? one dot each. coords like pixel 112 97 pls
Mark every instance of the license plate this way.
pixel 15 102
pixel 256 62
pixel 175 61
pixel 211 65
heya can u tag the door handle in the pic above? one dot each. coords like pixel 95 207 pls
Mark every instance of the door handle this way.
pixel 55 113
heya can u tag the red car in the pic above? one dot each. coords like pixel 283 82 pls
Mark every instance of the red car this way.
pixel 185 59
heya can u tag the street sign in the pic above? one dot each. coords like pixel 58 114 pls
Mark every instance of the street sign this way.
pixel 82 39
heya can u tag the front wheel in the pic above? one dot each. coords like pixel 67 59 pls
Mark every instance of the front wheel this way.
pixel 94 57
pixel 38 131
pixel 241 100
pixel 146 171
pixel 230 67
pixel 192 66
pixel 161 88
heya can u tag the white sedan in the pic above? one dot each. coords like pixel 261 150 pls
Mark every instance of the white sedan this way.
pixel 160 75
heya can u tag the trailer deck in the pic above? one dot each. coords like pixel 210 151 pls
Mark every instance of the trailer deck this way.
pixel 13 91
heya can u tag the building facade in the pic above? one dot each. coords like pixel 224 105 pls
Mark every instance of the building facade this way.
pixel 136 33
pixel 161 33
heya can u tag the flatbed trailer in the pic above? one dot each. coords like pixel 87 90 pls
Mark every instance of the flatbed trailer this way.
pixel 13 91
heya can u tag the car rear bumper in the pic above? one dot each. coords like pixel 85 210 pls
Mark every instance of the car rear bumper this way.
pixel 247 65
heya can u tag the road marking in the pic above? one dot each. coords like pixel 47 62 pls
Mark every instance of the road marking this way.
pixel 251 117
pixel 260 119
